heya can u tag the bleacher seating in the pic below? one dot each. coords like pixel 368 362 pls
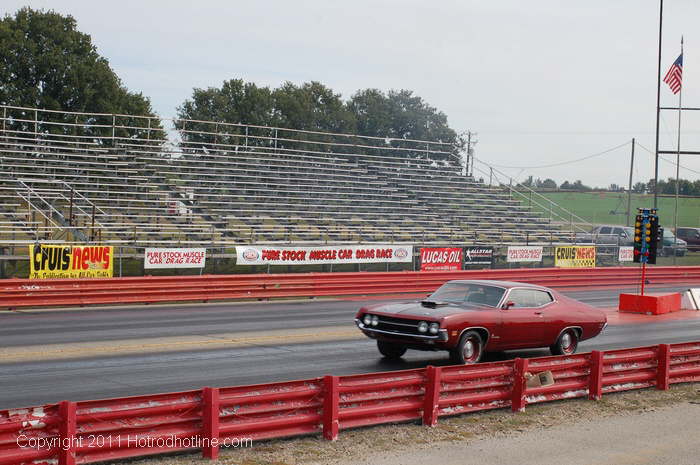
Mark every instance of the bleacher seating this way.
pixel 227 184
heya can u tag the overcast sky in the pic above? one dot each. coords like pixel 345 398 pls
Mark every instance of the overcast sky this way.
pixel 541 82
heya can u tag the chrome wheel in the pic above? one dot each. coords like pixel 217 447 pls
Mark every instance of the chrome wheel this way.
pixel 566 344
pixel 469 349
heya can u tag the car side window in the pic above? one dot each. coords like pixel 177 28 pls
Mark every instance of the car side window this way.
pixel 528 298
pixel 521 298
pixel 542 297
pixel 605 230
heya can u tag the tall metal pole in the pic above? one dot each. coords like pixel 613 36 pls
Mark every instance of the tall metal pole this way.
pixel 629 187
pixel 678 166
pixel 658 110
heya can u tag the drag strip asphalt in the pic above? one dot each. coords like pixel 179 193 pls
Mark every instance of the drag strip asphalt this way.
pixel 260 360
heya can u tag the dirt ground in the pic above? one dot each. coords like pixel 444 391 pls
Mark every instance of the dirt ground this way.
pixel 640 427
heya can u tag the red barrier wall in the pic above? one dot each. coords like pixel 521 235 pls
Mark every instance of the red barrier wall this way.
pixel 57 292
pixel 109 429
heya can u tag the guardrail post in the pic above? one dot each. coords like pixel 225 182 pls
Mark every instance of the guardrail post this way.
pixel 517 402
pixel 432 395
pixel 66 431
pixel 210 423
pixel 663 367
pixel 595 378
pixel 331 407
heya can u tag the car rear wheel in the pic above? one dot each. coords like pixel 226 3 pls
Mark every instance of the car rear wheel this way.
pixel 566 344
pixel 469 350
pixel 390 350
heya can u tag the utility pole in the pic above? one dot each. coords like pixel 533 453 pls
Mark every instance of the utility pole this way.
pixel 470 153
pixel 629 188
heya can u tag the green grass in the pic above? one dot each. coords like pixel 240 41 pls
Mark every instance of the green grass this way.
pixel 597 207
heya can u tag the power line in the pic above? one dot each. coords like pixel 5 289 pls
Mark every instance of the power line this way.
pixel 565 162
pixel 669 161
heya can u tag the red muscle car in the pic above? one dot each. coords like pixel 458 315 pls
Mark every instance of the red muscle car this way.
pixel 468 318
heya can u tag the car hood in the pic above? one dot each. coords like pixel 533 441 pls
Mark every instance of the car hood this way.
pixel 419 310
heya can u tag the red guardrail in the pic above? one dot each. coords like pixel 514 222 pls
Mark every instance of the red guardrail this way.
pixel 57 292
pixel 110 429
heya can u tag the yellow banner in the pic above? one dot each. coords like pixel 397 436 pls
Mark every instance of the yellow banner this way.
pixel 65 261
pixel 575 256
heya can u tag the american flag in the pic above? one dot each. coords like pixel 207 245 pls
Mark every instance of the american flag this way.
pixel 675 75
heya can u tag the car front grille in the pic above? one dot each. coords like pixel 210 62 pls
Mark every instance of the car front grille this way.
pixel 398 325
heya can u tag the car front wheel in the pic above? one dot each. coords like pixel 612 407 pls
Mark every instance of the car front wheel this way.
pixel 566 344
pixel 469 350
pixel 390 351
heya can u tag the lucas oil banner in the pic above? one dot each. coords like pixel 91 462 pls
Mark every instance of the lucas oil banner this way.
pixel 66 261
pixel 575 256
pixel 440 259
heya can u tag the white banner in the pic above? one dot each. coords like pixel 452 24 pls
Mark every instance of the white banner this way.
pixel 626 254
pixel 255 255
pixel 524 253
pixel 174 258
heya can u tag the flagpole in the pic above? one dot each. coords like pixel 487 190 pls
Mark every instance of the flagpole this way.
pixel 678 167
pixel 658 107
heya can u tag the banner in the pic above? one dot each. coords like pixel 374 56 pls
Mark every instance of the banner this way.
pixel 174 258
pixel 625 254
pixel 440 259
pixel 524 253
pixel 255 255
pixel 475 255
pixel 65 261
pixel 575 256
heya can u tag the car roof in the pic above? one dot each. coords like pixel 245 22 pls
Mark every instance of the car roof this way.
pixel 492 282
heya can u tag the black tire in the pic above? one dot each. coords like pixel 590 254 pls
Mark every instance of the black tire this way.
pixel 469 350
pixel 566 344
pixel 390 350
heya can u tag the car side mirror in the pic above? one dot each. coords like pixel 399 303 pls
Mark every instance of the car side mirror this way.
pixel 508 304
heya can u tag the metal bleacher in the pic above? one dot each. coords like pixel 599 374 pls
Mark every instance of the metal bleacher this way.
pixel 123 180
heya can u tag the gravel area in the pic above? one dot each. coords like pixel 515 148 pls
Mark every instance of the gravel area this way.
pixel 639 427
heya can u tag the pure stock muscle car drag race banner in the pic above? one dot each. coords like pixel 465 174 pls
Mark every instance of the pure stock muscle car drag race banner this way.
pixel 440 259
pixel 625 254
pixel 575 256
pixel 524 253
pixel 174 258
pixel 254 255
pixel 65 261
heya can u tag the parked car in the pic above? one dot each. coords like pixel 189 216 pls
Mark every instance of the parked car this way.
pixel 468 318
pixel 691 236
pixel 672 245
pixel 608 234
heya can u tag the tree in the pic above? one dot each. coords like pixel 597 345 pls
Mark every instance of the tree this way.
pixel 46 63
pixel 402 115
pixel 312 107
pixel 639 188
pixel 579 186
pixel 236 102
pixel 548 184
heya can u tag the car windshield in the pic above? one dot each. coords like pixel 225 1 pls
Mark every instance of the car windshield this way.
pixel 468 293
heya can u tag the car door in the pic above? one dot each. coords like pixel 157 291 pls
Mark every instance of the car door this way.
pixel 525 323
